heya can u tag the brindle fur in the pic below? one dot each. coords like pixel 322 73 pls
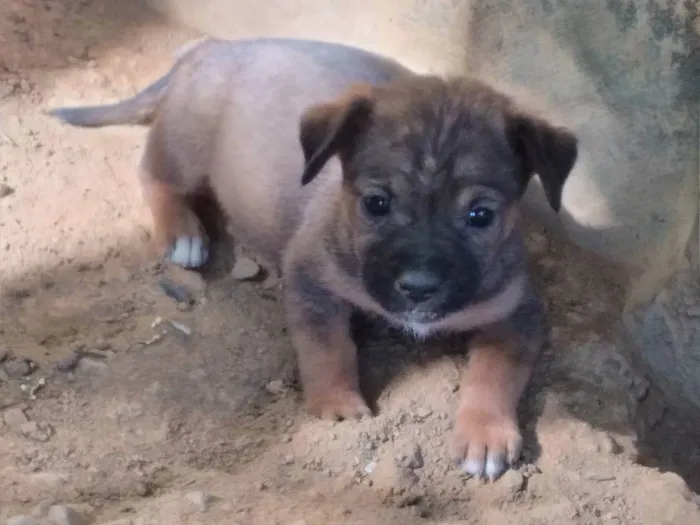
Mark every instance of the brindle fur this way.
pixel 231 117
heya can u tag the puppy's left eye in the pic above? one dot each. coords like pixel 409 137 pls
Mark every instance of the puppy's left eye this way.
pixel 480 217
pixel 376 205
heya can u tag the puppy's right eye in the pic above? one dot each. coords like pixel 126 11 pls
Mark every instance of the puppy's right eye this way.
pixel 376 205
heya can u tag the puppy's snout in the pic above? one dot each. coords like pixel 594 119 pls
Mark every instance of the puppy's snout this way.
pixel 418 285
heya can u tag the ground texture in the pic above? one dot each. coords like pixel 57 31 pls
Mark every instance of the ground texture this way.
pixel 136 393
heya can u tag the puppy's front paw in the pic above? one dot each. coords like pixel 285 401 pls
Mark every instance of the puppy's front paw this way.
pixel 337 404
pixel 189 252
pixel 486 442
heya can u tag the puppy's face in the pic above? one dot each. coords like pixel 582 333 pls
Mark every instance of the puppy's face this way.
pixel 433 170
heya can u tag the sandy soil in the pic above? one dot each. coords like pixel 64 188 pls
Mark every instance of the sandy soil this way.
pixel 112 413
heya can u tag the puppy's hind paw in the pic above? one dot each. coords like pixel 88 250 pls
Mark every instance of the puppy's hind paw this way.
pixel 189 252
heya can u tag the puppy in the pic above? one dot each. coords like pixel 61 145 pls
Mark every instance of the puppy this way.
pixel 369 187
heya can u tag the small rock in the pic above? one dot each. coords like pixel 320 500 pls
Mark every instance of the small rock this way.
pixel 175 291
pixel 600 477
pixel 245 269
pixel 200 499
pixel 69 363
pixel 530 470
pixel 276 387
pixel 65 515
pixel 423 413
pixel 18 367
pixel 608 445
pixel 5 191
pixel 41 432
pixel 48 479
pixel 369 467
pixel 512 482
pixel 144 489
pixel 411 457
pixel 103 346
pixel 22 520
pixel 90 365
pixel 288 460
pixel 184 307
pixel 4 354
pixel 15 418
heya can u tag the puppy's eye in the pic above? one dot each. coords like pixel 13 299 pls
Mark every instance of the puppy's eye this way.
pixel 480 217
pixel 376 205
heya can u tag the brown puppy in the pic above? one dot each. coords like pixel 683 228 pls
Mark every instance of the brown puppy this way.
pixel 402 200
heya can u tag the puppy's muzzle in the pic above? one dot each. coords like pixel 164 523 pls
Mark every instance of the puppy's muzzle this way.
pixel 419 286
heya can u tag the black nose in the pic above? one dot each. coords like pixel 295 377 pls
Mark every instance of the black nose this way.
pixel 418 285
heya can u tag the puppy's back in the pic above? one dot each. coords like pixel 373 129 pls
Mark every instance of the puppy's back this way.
pixel 236 106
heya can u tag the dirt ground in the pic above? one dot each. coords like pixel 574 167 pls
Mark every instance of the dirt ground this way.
pixel 122 405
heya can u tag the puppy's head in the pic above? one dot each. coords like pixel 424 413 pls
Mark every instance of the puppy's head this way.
pixel 432 173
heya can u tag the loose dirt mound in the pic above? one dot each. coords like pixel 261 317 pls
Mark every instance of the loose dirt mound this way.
pixel 122 404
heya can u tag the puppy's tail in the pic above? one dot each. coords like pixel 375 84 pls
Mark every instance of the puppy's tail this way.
pixel 138 109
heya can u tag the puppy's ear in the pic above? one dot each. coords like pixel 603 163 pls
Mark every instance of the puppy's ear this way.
pixel 544 149
pixel 333 128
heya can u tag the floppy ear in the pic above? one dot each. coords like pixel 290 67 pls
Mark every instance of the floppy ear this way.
pixel 331 129
pixel 544 149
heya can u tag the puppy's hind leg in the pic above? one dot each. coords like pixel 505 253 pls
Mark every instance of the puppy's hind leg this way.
pixel 179 234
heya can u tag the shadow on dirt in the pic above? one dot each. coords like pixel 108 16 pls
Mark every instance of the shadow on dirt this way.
pixel 51 33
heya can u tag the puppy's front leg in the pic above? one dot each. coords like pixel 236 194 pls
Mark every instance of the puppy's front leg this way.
pixel 319 325
pixel 486 434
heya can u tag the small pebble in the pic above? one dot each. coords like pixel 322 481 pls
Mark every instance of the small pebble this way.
pixel 18 367
pixel 5 191
pixel 15 418
pixel 144 489
pixel 608 445
pixel 69 363
pixel 181 327
pixel 245 269
pixel 4 354
pixel 410 457
pixel 175 291
pixel 22 520
pixel 369 468
pixel 103 346
pixel 512 481
pixel 288 460
pixel 65 515
pixel 90 365
pixel 276 387
pixel 184 307
pixel 200 499
pixel 600 477
pixel 40 432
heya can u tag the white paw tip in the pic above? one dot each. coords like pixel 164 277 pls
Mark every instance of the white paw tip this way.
pixel 188 252
pixel 473 467
pixel 495 466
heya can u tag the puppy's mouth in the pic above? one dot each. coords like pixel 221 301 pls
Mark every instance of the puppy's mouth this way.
pixel 419 315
